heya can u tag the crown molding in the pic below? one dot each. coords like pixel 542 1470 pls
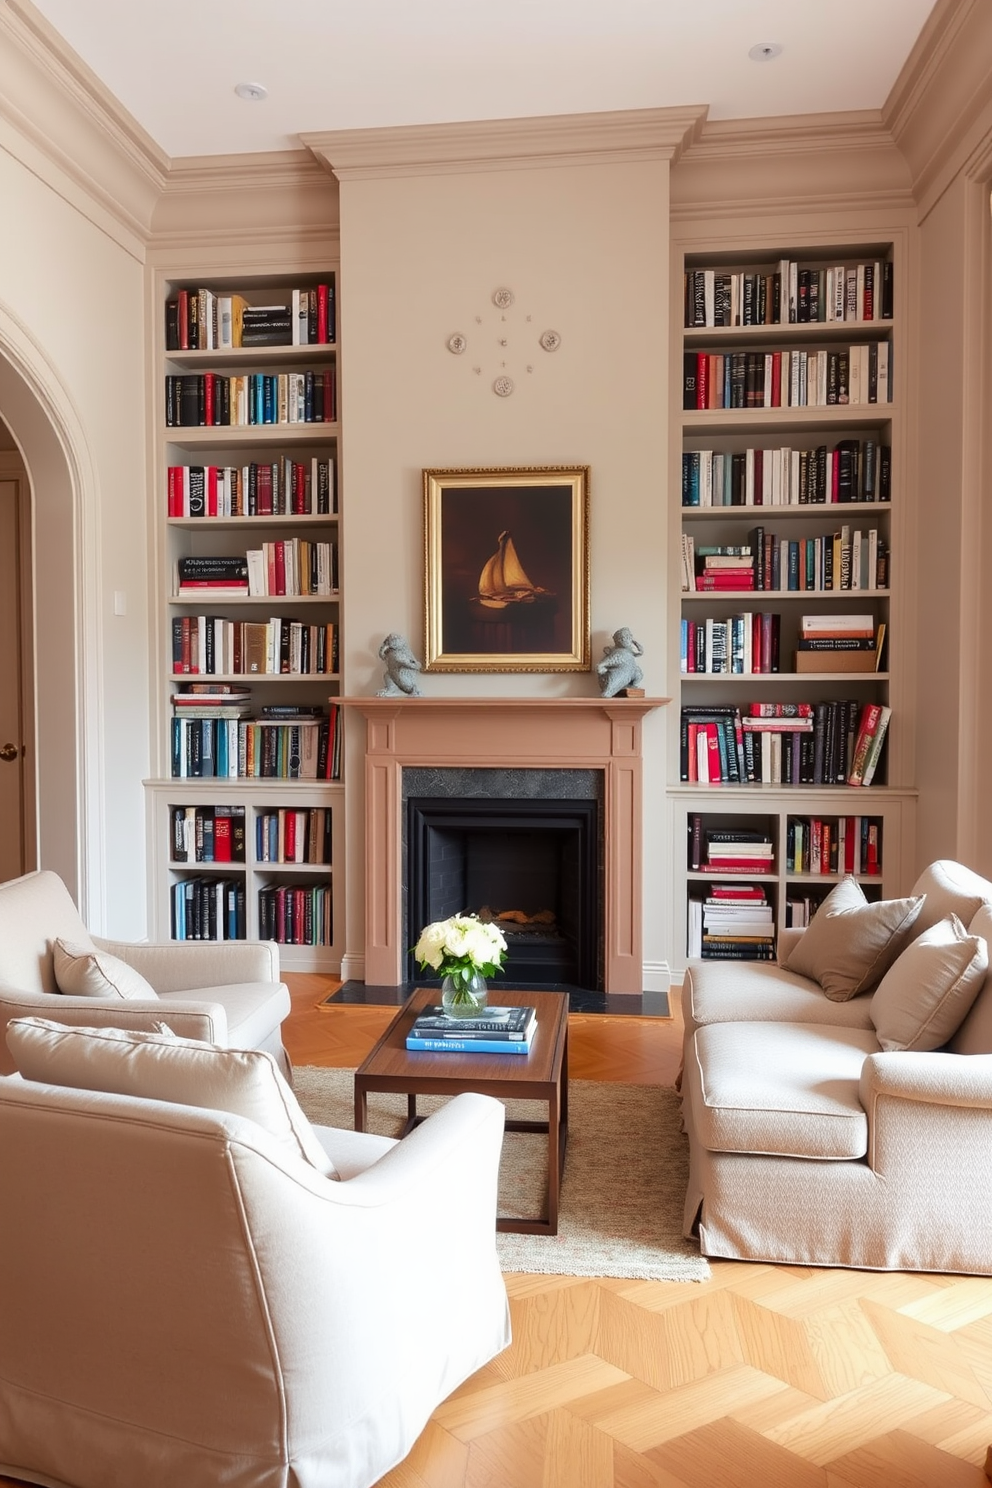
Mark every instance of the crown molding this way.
pixel 804 163
pixel 71 122
pixel 507 144
pixel 940 108
pixel 253 197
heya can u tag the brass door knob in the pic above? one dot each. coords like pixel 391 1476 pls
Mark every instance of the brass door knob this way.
pixel 9 752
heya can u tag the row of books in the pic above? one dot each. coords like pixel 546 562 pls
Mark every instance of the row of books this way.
pixel 749 644
pixel 210 645
pixel 733 922
pixel 298 914
pixel 787 379
pixel 854 470
pixel 207 834
pixel 789 294
pixel 283 488
pixel 203 320
pixel 212 400
pixel 499 1030
pixel 244 749
pixel 287 568
pixel 286 835
pixel 855 559
pixel 842 844
pixel 829 743
pixel 208 909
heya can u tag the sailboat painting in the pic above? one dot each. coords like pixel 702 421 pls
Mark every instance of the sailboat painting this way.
pixel 506 572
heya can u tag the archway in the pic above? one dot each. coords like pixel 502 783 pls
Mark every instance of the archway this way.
pixel 40 416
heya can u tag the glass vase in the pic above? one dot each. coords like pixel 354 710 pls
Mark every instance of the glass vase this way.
pixel 464 994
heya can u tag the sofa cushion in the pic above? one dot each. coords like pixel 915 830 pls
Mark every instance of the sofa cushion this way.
pixel 850 943
pixel 759 991
pixel 975 1034
pixel 780 1089
pixel 159 1066
pixel 950 888
pixel 83 971
pixel 33 911
pixel 254 1010
pixel 926 993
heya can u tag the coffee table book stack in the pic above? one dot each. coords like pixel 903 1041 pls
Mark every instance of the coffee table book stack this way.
pixel 501 1030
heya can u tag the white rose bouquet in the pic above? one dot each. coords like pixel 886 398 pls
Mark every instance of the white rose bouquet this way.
pixel 462 948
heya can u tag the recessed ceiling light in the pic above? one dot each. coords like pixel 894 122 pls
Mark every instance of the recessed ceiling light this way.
pixel 765 51
pixel 253 92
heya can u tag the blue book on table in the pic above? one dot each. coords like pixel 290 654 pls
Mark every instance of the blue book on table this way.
pixel 469 1046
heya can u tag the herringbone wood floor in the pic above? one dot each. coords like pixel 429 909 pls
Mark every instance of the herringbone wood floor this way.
pixel 762 1377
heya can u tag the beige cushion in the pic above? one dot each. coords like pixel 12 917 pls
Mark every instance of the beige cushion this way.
pixel 83 971
pixel 950 888
pixel 850 943
pixel 925 995
pixel 975 1034
pixel 787 1090
pixel 159 1066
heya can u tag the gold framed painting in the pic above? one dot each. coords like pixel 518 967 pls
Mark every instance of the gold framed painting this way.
pixel 506 580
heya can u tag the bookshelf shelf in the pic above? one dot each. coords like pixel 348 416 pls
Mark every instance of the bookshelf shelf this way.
pixel 209 479
pixel 747 466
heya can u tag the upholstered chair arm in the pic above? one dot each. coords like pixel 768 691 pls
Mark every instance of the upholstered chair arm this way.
pixel 927 1102
pixel 182 966
pixel 187 1019
pixel 788 939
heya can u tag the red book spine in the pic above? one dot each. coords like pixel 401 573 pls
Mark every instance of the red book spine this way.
pixel 702 380
pixel 222 839
pixel 209 400
pixel 289 838
pixel 211 474
pixel 713 742
pixel 175 491
pixel 280 565
pixel 776 379
pixel 322 331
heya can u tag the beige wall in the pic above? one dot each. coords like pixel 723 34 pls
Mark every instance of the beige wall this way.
pixel 72 338
pixel 585 250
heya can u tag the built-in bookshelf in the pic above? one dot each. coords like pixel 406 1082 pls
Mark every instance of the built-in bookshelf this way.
pixel 789 658
pixel 248 505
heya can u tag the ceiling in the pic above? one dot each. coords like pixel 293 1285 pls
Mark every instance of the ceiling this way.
pixel 347 64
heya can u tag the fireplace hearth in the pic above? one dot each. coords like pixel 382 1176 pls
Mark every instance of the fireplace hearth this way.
pixel 532 863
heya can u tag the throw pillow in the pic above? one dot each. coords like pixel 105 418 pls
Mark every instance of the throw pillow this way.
pixel 925 995
pixel 850 943
pixel 157 1066
pixel 83 971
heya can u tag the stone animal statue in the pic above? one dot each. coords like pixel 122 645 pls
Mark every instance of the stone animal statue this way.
pixel 619 668
pixel 402 667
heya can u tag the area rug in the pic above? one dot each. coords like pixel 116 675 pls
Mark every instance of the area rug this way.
pixel 623 1189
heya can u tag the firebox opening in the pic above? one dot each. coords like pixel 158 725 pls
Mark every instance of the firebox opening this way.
pixel 531 866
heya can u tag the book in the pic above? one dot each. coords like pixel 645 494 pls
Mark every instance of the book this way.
pixel 509 1024
pixel 467 1046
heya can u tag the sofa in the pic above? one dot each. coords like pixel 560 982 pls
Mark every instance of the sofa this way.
pixel 198 1286
pixel 838 1102
pixel 225 992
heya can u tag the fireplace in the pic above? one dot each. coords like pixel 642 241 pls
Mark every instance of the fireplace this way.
pixel 520 847
pixel 530 736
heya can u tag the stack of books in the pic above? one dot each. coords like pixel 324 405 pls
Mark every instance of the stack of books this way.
pixel 500 1030
pixel 738 850
pixel 733 923
pixel 839 643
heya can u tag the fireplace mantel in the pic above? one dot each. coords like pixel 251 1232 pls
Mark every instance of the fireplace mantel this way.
pixel 493 733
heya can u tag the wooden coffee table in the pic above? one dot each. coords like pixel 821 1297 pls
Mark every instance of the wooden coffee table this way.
pixel 541 1075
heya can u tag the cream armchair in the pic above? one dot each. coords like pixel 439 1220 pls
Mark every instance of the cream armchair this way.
pixel 186 1297
pixel 226 992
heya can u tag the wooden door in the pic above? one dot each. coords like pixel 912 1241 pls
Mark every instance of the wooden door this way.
pixel 14 833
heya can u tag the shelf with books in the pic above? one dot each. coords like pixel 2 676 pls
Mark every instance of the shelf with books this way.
pixel 250 584
pixel 787 519
pixel 269 821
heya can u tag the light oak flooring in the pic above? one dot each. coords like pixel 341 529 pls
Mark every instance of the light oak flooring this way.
pixel 762 1377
